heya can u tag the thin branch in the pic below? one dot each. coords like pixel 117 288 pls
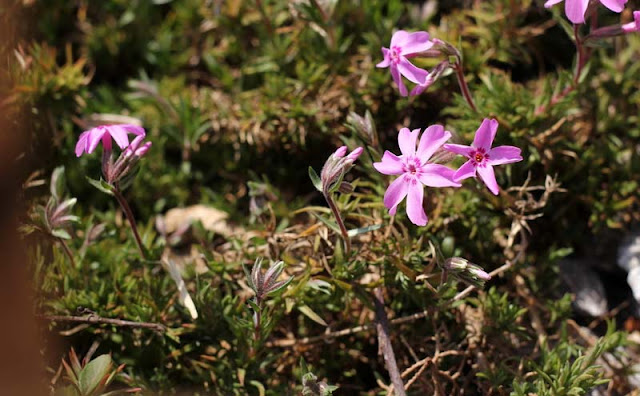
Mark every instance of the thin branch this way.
pixel 95 319
pixel 289 342
pixel 384 343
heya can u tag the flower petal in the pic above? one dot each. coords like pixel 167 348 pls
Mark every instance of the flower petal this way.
pixel 134 129
pixel 614 5
pixel 411 72
pixel 415 210
pixel 395 193
pixel 81 146
pixel 386 61
pixel 459 149
pixel 575 10
pixel 489 178
pixel 467 170
pixel 485 134
pixel 416 42
pixel 390 164
pixel 395 74
pixel 399 38
pixel 119 134
pixel 407 141
pixel 551 3
pixel 435 175
pixel 94 137
pixel 504 155
pixel 431 140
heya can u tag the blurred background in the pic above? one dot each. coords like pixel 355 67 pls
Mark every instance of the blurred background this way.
pixel 239 98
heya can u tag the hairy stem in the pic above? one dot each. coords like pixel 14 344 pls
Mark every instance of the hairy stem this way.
pixel 580 62
pixel 384 343
pixel 132 221
pixel 466 93
pixel 67 251
pixel 336 214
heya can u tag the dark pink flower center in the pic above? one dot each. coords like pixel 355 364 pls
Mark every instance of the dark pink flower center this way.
pixel 412 165
pixel 479 156
pixel 394 54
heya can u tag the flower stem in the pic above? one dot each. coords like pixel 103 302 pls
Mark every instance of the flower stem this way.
pixel 581 55
pixel 132 221
pixel 257 329
pixel 67 251
pixel 466 93
pixel 384 343
pixel 336 214
pixel 580 62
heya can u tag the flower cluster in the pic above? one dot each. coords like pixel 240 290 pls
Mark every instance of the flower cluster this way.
pixel 416 170
pixel 118 170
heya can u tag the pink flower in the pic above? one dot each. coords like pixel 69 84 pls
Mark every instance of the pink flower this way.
pixel 576 9
pixel 632 26
pixel 89 140
pixel 405 45
pixel 136 148
pixel 482 157
pixel 415 171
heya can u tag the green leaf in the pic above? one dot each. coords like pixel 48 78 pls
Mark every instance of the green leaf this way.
pixel 57 183
pixel 329 223
pixel 261 389
pixel 60 233
pixel 315 179
pixel 363 230
pixel 101 185
pixel 312 315
pixel 93 373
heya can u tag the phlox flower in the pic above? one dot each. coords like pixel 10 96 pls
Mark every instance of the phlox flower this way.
pixel 576 9
pixel 88 140
pixel 482 157
pixel 404 45
pixel 415 171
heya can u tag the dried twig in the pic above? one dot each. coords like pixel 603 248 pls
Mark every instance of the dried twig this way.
pixel 384 343
pixel 95 319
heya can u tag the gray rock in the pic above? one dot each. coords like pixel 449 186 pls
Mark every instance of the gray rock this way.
pixel 629 260
pixel 586 285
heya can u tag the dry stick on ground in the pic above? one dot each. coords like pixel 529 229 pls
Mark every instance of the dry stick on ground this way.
pixel 94 319
pixel 384 343
pixel 288 342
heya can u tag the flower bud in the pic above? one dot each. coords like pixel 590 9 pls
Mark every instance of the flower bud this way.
pixel 340 152
pixel 466 271
pixel 336 167
pixel 353 156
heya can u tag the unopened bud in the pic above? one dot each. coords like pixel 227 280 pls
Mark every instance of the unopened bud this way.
pixel 143 149
pixel 336 167
pixel 616 30
pixel 340 152
pixel 353 156
pixel 632 26
pixel 446 48
pixel 466 271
